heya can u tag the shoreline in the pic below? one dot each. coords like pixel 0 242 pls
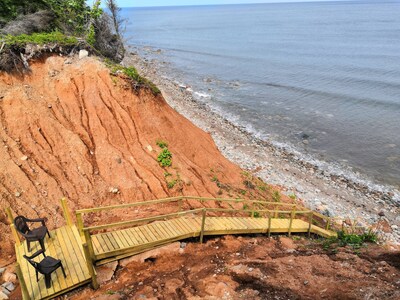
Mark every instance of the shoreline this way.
pixel 330 194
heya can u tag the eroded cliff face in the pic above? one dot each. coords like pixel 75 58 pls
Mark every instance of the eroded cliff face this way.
pixel 71 129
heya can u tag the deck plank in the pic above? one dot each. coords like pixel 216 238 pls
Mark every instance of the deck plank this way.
pixel 62 245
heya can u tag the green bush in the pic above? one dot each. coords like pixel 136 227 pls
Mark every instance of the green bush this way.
pixel 276 196
pixel 165 158
pixel 350 239
pixel 132 73
pixel 40 39
pixel 162 144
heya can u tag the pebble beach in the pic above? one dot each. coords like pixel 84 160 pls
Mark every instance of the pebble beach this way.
pixel 329 193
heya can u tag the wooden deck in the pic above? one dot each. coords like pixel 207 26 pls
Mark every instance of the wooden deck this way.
pixel 115 245
pixel 65 244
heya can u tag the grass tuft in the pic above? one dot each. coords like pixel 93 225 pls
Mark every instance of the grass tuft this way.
pixel 40 39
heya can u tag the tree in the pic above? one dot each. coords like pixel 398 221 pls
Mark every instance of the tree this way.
pixel 115 15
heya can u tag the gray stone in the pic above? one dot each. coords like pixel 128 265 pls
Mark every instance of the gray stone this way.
pixel 3 296
pixel 2 271
pixel 106 272
pixel 9 286
pixel 83 54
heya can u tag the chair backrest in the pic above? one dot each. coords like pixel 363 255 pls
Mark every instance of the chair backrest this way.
pixel 33 263
pixel 21 225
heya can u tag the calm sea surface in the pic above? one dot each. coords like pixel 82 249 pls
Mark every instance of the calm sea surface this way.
pixel 322 79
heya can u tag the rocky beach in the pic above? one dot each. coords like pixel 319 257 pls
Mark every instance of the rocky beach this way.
pixel 351 200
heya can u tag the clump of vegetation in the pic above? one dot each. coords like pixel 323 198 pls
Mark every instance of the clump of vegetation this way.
pixel 165 158
pixel 276 196
pixel 162 144
pixel 293 196
pixel 263 187
pixel 248 184
pixel 40 39
pixel 214 178
pixel 66 23
pixel 353 240
pixel 132 73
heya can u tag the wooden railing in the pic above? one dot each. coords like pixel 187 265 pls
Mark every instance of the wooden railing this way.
pixel 249 206
pixel 186 205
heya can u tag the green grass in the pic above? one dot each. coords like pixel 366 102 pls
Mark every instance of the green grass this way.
pixel 133 74
pixel 162 144
pixel 171 184
pixel 276 196
pixel 354 240
pixel 40 39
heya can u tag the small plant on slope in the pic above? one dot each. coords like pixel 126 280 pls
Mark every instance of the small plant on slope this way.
pixel 165 158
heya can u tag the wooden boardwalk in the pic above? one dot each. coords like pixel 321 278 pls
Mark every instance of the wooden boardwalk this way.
pixel 115 245
pixel 65 244
pixel 81 248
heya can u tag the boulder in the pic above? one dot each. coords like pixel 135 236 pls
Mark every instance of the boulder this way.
pixel 10 277
pixel 83 54
pixel 106 272
pixel 3 296
pixel 9 286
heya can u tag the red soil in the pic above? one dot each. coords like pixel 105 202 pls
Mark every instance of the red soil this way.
pixel 255 268
pixel 73 130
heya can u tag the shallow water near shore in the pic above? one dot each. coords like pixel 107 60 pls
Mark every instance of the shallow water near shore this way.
pixel 320 79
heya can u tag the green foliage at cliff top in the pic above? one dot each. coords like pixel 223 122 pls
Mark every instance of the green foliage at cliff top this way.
pixel 71 15
pixel 41 39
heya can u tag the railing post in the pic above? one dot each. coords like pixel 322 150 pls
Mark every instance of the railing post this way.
pixel 88 240
pixel 79 221
pixel 203 223
pixel 269 224
pixel 292 215
pixel 13 230
pixel 276 213
pixel 24 289
pixel 328 224
pixel 310 220
pixel 67 215
pixel 90 266
pixel 180 204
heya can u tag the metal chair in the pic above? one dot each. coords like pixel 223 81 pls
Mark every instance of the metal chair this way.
pixel 46 267
pixel 31 235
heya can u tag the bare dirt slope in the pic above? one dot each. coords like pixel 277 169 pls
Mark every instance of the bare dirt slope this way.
pixel 257 268
pixel 71 129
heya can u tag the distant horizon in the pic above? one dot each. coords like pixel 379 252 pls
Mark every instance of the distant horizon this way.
pixel 157 3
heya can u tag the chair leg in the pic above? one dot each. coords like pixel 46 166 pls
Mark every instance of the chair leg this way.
pixel 62 268
pixel 37 276
pixel 28 243
pixel 48 233
pixel 47 279
pixel 41 242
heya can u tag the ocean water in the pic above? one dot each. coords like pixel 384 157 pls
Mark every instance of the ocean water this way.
pixel 321 79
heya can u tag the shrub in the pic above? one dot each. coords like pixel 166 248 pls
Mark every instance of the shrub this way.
pixel 276 196
pixel 40 39
pixel 165 158
pixel 162 144
pixel 350 239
